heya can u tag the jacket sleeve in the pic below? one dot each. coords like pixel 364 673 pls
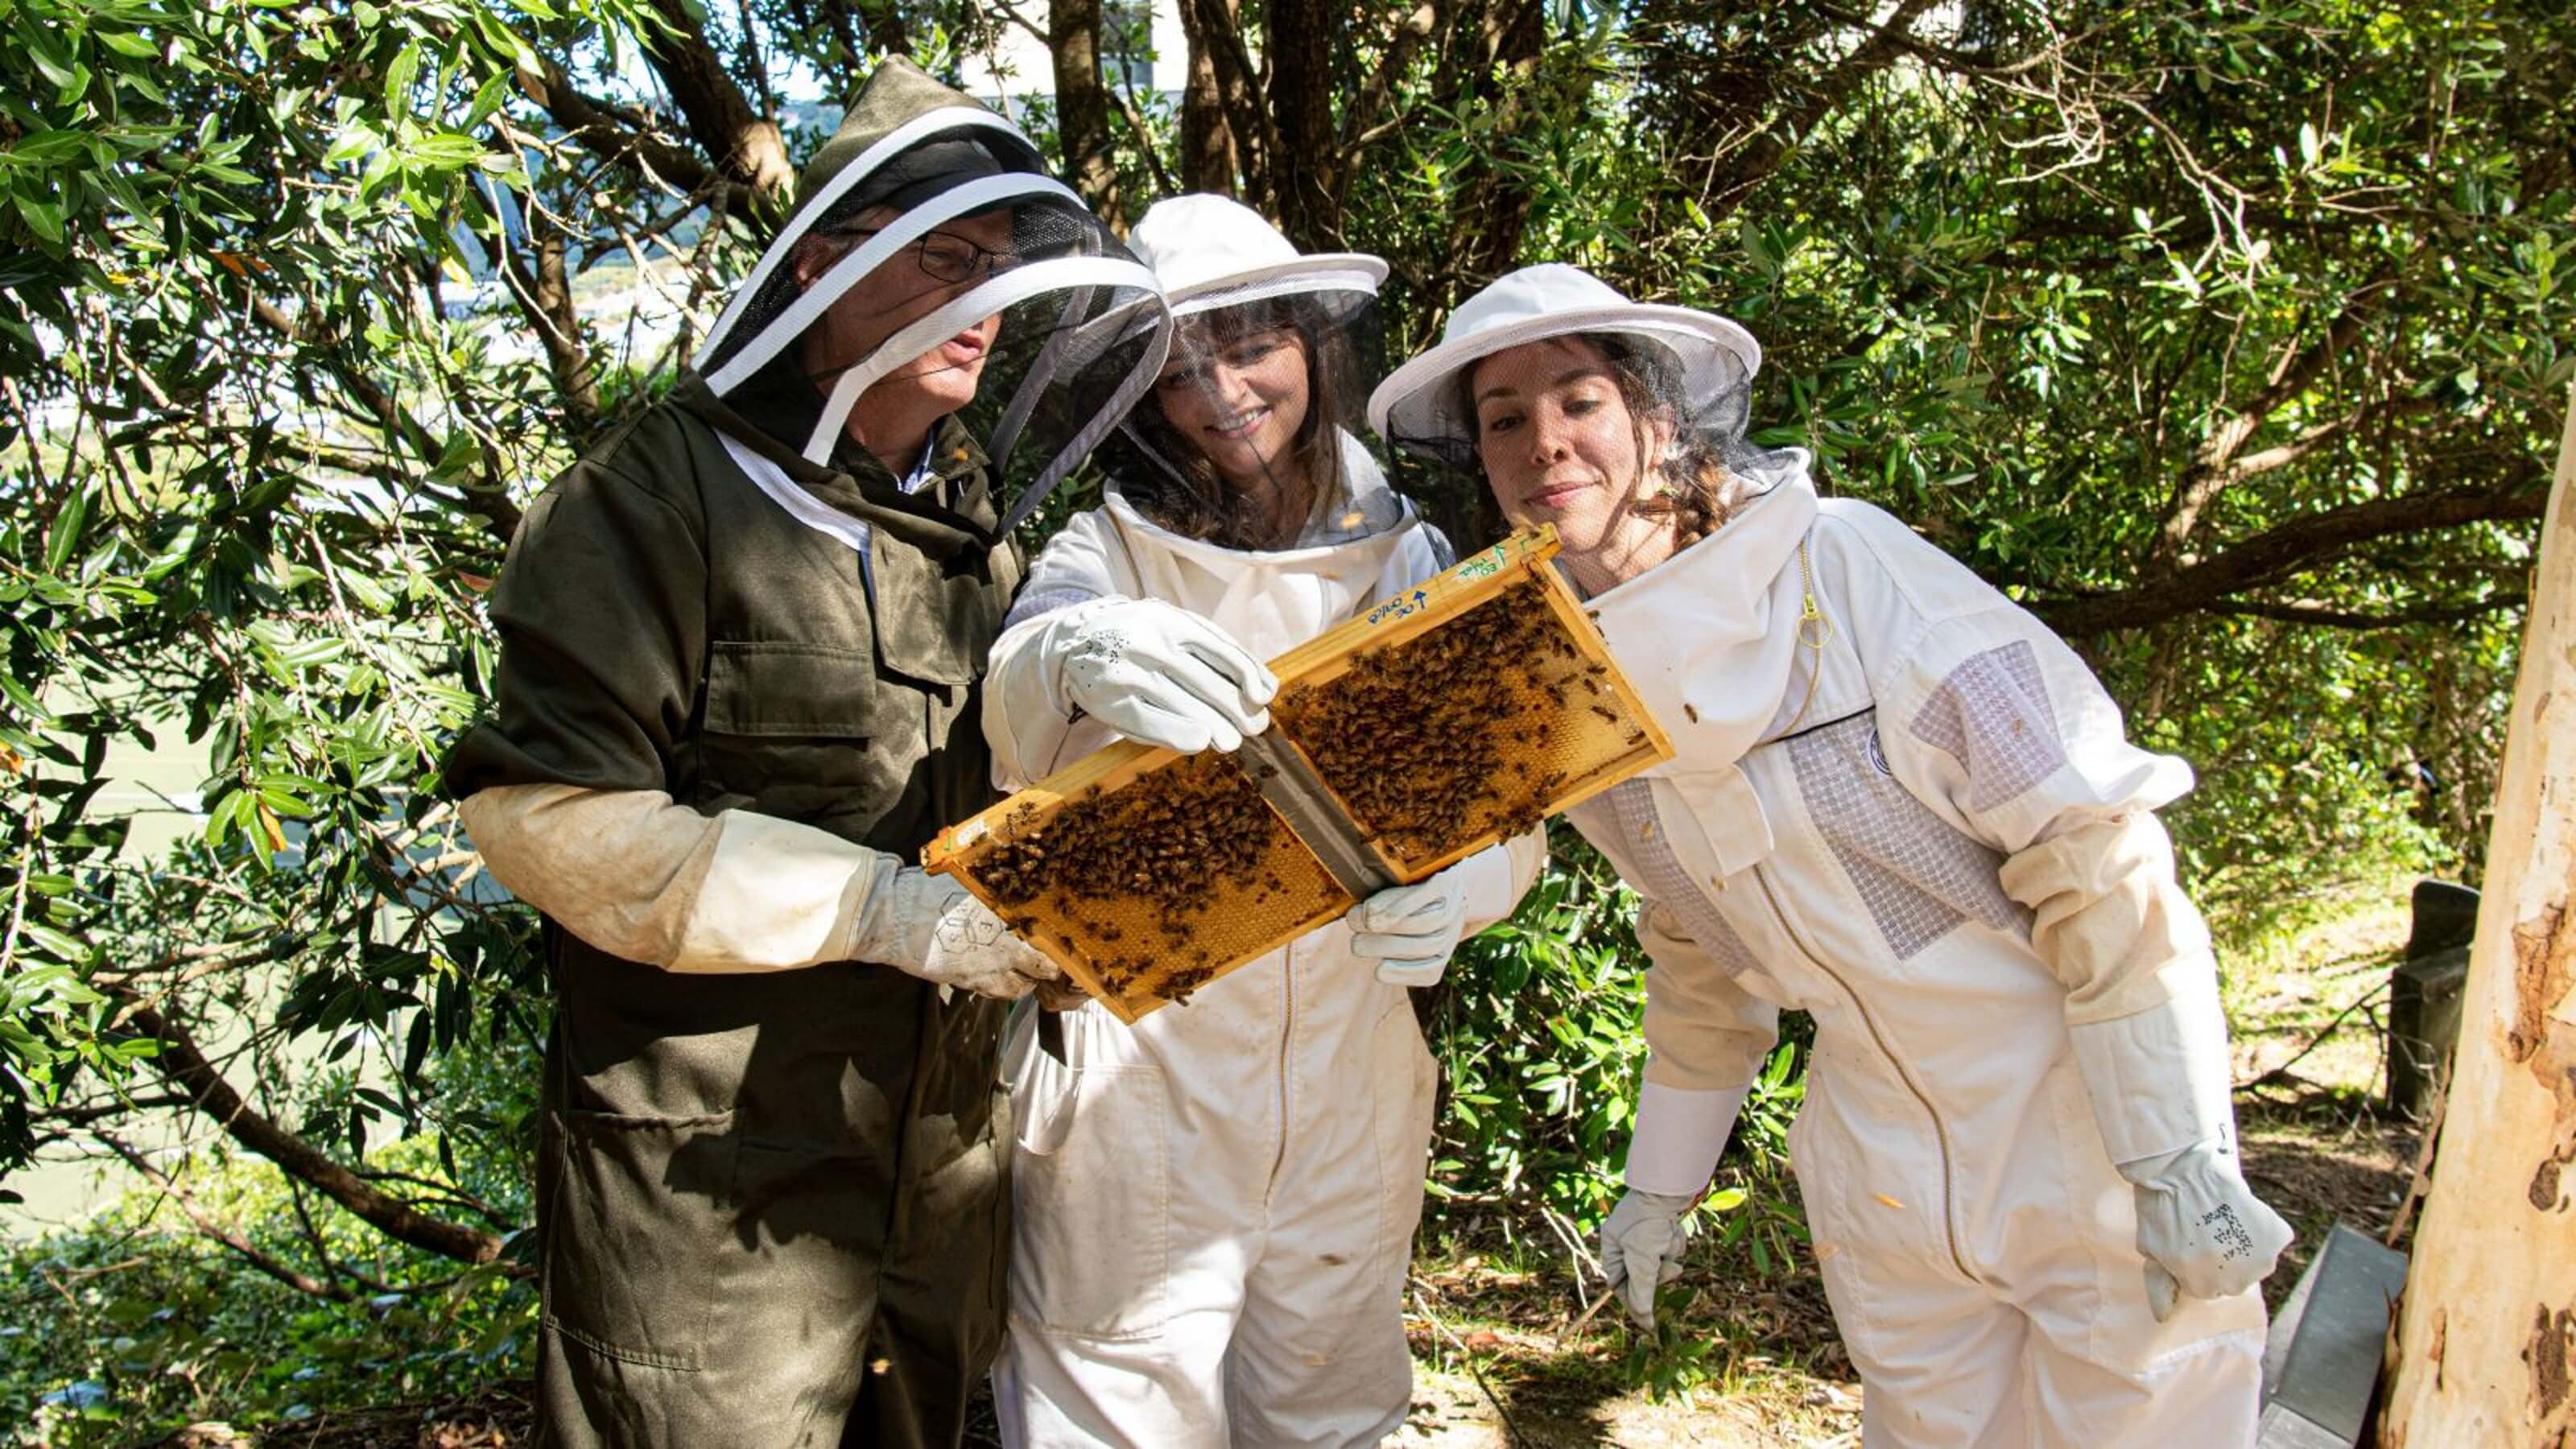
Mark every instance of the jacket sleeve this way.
pixel 601 613
pixel 642 878
pixel 1027 722
pixel 1704 1033
pixel 1989 719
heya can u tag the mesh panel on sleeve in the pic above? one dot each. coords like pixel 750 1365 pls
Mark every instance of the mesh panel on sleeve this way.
pixel 1992 714
pixel 1919 878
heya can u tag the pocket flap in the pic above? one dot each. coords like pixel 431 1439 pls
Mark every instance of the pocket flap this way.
pixel 782 688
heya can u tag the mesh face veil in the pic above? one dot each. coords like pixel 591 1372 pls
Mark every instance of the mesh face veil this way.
pixel 1249 436
pixel 1684 378
pixel 934 256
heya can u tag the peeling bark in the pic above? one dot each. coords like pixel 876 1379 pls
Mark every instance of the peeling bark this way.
pixel 2485 1344
pixel 2543 950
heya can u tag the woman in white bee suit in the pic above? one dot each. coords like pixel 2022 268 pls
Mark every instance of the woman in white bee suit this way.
pixel 1215 1208
pixel 1898 803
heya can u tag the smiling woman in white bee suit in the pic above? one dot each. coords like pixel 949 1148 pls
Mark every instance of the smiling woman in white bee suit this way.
pixel 1899 803
pixel 1215 1207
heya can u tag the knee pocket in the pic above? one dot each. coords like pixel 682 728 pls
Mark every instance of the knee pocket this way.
pixel 639 1209
pixel 1091 1236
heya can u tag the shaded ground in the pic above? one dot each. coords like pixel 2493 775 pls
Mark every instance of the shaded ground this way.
pixel 1504 1355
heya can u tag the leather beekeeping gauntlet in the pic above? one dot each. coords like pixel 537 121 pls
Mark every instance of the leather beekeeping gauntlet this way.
pixel 2159 1083
pixel 929 926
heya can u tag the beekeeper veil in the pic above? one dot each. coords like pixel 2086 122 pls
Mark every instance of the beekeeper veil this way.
pixel 1685 375
pixel 924 221
pixel 1250 436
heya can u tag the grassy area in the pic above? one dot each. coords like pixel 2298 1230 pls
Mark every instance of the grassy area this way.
pixel 1510 1351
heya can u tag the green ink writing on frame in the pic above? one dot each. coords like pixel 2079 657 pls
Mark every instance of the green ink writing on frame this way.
pixel 1490 562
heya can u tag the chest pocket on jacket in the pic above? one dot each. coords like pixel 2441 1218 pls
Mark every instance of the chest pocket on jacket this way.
pixel 806 732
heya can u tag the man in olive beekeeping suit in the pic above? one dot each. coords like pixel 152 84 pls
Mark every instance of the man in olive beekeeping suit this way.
pixel 740 647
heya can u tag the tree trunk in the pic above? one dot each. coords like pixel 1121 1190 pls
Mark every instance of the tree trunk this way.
pixel 1208 162
pixel 1082 106
pixel 1298 39
pixel 1493 208
pixel 2485 1348
pixel 1215 30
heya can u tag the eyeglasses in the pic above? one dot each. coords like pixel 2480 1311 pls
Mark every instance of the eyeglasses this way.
pixel 945 256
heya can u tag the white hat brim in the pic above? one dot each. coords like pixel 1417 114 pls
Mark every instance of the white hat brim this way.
pixel 1357 271
pixel 1414 402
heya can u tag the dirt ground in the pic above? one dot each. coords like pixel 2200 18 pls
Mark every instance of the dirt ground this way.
pixel 1505 1357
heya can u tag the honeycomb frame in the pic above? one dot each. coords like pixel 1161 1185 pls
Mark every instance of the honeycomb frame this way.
pixel 1136 955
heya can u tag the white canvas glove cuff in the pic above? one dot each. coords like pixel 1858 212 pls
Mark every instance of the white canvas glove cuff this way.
pixel 1161 675
pixel 1680 1135
pixel 2159 1078
pixel 1642 1243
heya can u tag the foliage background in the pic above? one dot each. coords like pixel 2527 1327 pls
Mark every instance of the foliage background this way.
pixel 2226 337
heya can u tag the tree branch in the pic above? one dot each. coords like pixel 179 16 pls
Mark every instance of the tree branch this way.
pixel 2276 554
pixel 2210 470
pixel 286 1273
pixel 186 1068
pixel 1363 122
pixel 2327 617
pixel 490 501
pixel 1771 146
pixel 591 125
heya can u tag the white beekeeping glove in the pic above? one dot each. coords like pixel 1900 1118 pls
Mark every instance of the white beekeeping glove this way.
pixel 929 926
pixel 1162 675
pixel 2158 1080
pixel 1412 931
pixel 1642 1243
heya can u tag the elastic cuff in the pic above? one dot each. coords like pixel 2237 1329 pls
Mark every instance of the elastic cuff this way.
pixel 1680 1135
pixel 2159 1079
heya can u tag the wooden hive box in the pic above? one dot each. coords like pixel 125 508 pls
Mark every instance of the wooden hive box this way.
pixel 1462 712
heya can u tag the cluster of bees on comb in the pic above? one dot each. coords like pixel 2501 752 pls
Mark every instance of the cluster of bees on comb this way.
pixel 1168 839
pixel 1413 737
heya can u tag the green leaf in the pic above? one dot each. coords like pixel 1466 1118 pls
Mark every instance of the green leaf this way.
pixel 65 535
pixel 399 77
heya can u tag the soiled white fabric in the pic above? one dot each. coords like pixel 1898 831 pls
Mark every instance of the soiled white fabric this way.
pixel 1215 1208
pixel 645 879
pixel 1940 847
